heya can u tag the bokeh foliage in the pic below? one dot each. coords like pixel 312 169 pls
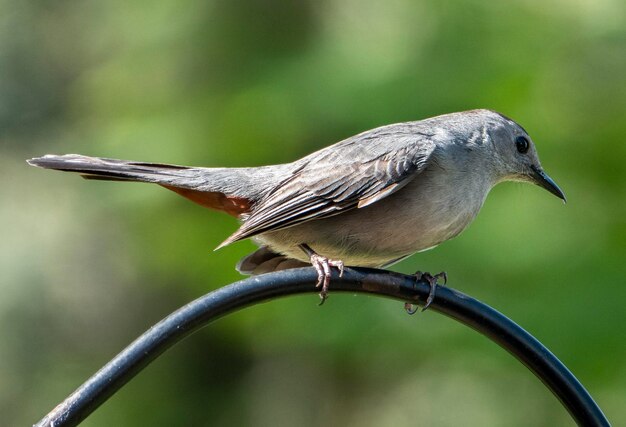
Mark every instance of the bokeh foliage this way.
pixel 87 266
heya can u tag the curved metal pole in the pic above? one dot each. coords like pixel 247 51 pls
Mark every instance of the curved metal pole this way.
pixel 213 305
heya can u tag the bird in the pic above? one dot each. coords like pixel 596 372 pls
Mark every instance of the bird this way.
pixel 370 200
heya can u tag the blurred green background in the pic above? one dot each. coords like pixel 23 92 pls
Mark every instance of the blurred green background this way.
pixel 85 267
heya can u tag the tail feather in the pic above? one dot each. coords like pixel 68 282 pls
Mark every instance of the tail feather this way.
pixel 107 169
pixel 211 188
pixel 230 190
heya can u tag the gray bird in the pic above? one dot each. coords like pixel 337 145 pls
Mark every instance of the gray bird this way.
pixel 369 200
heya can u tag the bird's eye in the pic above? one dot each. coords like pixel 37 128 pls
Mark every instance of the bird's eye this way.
pixel 522 144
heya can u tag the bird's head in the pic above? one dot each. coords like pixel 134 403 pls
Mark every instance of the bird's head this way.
pixel 516 157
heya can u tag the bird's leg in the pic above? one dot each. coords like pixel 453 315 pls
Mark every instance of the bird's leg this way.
pixel 322 265
pixel 432 281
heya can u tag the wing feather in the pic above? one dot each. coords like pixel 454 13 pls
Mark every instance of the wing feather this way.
pixel 351 174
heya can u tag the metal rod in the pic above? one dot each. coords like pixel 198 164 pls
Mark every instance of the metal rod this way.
pixel 484 319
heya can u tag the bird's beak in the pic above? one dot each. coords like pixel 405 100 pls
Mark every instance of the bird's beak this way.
pixel 543 180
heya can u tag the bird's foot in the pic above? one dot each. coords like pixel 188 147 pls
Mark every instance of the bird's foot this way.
pixel 433 282
pixel 323 267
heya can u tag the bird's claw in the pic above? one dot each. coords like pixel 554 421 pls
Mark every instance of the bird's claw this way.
pixel 322 266
pixel 433 282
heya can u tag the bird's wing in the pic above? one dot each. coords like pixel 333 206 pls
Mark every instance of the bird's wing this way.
pixel 353 173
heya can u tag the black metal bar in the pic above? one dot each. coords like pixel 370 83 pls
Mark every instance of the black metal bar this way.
pixel 200 312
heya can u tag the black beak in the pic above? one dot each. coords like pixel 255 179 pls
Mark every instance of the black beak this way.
pixel 543 180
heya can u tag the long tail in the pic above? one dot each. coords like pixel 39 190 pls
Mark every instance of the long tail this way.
pixel 113 169
pixel 224 189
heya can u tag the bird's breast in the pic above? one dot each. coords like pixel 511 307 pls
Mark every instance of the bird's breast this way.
pixel 424 213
